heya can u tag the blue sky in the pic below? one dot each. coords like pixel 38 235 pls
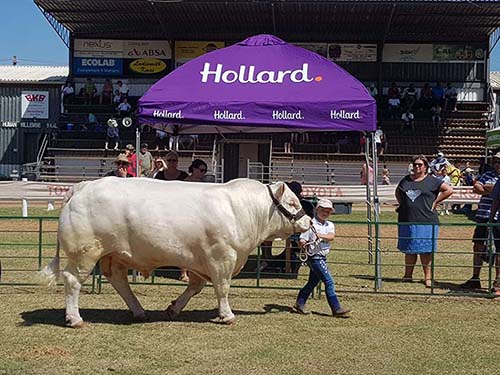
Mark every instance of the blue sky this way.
pixel 25 33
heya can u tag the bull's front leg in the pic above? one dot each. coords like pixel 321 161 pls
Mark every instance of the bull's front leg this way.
pixel 196 284
pixel 221 272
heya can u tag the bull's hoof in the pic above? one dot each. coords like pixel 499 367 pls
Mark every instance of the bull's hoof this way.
pixel 171 313
pixel 77 324
pixel 227 320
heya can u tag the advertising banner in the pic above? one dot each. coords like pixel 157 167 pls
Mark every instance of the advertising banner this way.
pixel 188 50
pixel 35 104
pixel 103 57
pixel 97 66
pixel 407 53
pixel 493 138
pixel 449 52
pixel 353 52
pixel 319 48
pixel 98 48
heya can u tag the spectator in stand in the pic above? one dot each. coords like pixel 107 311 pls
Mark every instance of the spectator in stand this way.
pixel 161 140
pixel 450 96
pixel 438 94
pixel 145 160
pixel 160 167
pixel 445 178
pixel 484 187
pixel 122 165
pixel 407 121
pixel 124 108
pixel 68 95
pixel 366 174
pixel 436 114
pixel 418 196
pixel 410 96
pixel 394 97
pixel 426 101
pixel 132 158
pixel 455 174
pixel 380 142
pixel 386 178
pixel 344 140
pixel 438 163
pixel 117 98
pixel 112 135
pixel 123 89
pixel 90 91
pixel 467 180
pixel 172 172
pixel 107 92
pixel 373 91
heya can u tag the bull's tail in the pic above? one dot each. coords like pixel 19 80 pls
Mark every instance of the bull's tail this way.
pixel 50 274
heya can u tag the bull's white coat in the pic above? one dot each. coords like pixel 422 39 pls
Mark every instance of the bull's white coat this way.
pixel 209 229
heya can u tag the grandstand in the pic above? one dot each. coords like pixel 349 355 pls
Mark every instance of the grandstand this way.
pixel 406 47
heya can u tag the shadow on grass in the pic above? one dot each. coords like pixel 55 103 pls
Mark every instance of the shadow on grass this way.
pixel 56 317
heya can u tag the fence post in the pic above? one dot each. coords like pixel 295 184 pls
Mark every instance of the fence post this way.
pixel 40 238
pixel 25 208
pixel 258 267
pixel 433 256
pixel 490 259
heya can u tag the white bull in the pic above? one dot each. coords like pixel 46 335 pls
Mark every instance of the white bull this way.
pixel 209 229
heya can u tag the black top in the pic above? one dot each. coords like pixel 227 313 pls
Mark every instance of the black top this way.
pixel 181 177
pixel 417 198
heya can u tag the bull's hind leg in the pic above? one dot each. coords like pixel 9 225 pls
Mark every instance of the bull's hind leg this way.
pixel 117 276
pixel 196 284
pixel 73 277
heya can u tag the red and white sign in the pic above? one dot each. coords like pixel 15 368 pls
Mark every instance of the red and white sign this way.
pixel 35 104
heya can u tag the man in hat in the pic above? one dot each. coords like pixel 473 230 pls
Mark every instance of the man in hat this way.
pixel 317 243
pixel 122 165
pixel 484 187
pixel 437 164
pixel 145 160
pixel 132 158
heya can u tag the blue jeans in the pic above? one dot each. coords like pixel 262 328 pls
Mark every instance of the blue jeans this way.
pixel 318 271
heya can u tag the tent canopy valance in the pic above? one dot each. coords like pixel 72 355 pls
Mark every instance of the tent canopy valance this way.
pixel 262 84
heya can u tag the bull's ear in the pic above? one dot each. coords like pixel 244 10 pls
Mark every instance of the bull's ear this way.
pixel 280 190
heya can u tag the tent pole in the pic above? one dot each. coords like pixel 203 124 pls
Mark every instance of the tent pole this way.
pixel 368 201
pixel 137 148
pixel 376 210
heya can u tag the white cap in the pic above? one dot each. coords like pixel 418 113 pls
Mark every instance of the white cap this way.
pixel 440 154
pixel 325 203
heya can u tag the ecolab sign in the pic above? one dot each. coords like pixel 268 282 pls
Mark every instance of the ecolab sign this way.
pixel 249 75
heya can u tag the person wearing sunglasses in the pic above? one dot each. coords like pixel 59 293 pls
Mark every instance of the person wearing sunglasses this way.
pixel 122 164
pixel 418 194
pixel 197 170
pixel 172 173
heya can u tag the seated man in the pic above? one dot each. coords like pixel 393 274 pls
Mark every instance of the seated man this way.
pixel 407 121
pixel 124 108
pixel 450 97
pixel 394 102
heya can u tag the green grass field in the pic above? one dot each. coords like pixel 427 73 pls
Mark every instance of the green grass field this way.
pixel 392 333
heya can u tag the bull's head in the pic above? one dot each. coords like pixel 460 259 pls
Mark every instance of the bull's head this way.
pixel 289 206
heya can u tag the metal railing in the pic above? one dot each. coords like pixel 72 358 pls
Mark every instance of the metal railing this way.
pixel 27 244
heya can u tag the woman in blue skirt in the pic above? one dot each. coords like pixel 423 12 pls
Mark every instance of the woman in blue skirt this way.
pixel 418 195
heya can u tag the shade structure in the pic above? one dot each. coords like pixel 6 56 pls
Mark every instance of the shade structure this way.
pixel 261 84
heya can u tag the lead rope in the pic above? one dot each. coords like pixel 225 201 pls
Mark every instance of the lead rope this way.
pixel 306 251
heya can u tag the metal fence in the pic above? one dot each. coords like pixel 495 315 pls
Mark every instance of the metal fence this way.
pixel 27 244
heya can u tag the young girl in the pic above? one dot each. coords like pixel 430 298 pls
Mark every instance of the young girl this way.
pixel 318 269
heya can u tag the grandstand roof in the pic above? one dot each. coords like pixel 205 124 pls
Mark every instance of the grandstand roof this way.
pixel 293 20
pixel 495 80
pixel 33 74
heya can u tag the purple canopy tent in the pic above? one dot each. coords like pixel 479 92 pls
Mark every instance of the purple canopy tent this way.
pixel 262 84
pixel 259 85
